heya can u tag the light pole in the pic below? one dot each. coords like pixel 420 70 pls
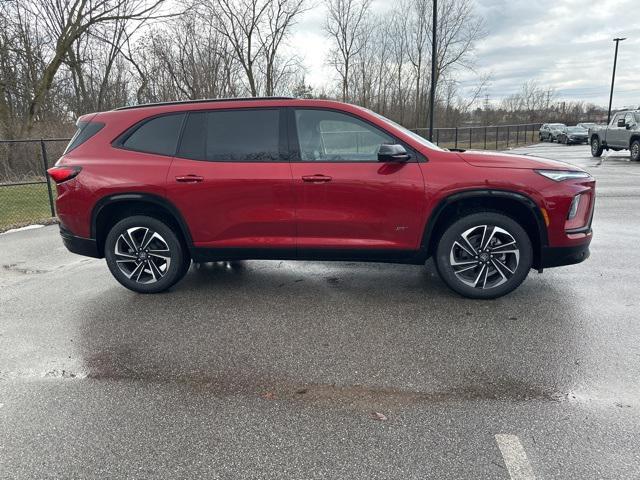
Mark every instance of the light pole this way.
pixel 432 96
pixel 613 77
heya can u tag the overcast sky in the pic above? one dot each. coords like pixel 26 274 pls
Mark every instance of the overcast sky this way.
pixel 563 44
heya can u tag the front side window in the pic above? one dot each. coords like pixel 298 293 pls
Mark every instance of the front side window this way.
pixel 158 135
pixel 328 136
pixel 232 136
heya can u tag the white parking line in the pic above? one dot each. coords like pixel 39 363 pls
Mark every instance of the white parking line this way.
pixel 515 457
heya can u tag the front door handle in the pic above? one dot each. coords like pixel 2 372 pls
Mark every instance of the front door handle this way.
pixel 318 178
pixel 189 178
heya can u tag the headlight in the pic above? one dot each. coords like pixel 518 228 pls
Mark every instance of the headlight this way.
pixel 560 175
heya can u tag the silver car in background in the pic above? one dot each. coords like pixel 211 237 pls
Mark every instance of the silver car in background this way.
pixel 549 131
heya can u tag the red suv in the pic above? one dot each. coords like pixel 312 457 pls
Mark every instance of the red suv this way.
pixel 153 187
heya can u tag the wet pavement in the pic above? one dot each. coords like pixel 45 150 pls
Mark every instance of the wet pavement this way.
pixel 324 370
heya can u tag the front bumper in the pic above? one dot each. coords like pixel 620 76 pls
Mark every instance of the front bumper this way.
pixel 79 245
pixel 559 256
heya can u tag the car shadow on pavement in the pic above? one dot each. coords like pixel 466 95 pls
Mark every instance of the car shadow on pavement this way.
pixel 333 334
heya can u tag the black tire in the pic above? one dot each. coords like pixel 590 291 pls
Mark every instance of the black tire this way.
pixel 186 265
pixel 635 150
pixel 140 262
pixel 596 147
pixel 500 280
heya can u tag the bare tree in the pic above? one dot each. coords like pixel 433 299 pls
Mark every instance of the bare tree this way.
pixel 419 48
pixel 281 15
pixel 344 26
pixel 67 21
pixel 238 21
pixel 256 31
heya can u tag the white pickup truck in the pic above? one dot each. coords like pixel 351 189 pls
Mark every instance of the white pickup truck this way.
pixel 622 133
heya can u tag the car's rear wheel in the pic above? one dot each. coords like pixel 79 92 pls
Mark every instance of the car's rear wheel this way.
pixel 596 147
pixel 635 150
pixel 145 255
pixel 484 255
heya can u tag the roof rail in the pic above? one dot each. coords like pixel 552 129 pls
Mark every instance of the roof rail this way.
pixel 203 100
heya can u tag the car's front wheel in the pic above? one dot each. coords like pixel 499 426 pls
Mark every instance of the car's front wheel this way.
pixel 145 255
pixel 484 255
pixel 596 147
pixel 635 150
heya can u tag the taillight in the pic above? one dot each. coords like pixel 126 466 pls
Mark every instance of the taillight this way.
pixel 62 174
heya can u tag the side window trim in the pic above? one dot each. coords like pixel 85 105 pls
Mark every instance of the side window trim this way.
pixel 283 132
pixel 294 142
pixel 124 136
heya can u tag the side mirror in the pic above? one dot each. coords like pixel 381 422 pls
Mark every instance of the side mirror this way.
pixel 621 123
pixel 392 153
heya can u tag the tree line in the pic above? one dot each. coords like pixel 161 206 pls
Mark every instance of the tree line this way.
pixel 60 59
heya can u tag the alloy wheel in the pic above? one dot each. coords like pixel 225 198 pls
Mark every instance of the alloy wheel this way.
pixel 484 256
pixel 635 150
pixel 142 254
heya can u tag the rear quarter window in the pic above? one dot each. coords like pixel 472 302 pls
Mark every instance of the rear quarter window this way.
pixel 157 135
pixel 85 131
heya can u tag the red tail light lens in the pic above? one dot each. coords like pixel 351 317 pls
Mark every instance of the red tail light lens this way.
pixel 62 174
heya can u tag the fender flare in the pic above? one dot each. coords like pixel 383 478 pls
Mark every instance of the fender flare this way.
pixel 144 198
pixel 485 193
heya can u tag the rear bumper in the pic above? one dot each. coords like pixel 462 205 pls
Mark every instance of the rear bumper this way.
pixel 79 245
pixel 559 256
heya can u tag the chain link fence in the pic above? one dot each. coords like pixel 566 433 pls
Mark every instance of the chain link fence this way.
pixel 26 193
pixel 28 196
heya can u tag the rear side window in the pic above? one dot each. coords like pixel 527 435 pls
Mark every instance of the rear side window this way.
pixel 158 135
pixel 232 136
pixel 85 131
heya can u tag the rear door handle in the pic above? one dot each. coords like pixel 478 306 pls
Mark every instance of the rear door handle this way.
pixel 318 178
pixel 189 178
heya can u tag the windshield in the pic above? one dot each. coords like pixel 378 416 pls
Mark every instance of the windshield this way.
pixel 421 140
pixel 575 129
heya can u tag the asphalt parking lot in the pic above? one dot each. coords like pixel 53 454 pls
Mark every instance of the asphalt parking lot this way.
pixel 325 370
